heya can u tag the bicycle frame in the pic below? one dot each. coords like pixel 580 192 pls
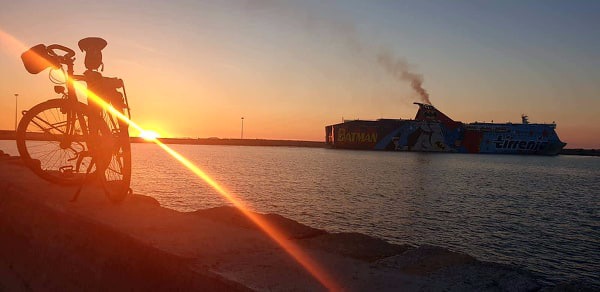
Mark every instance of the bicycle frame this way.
pixel 71 97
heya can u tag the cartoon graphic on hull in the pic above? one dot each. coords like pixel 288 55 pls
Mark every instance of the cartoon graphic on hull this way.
pixel 421 136
pixel 433 131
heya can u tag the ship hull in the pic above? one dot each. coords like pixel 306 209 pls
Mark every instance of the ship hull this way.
pixel 430 132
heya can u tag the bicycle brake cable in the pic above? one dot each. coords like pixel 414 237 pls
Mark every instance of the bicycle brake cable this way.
pixel 126 102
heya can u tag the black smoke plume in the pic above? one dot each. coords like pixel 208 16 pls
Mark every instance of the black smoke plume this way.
pixel 399 68
pixel 313 19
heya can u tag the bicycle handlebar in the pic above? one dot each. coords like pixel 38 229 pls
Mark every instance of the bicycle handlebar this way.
pixel 69 53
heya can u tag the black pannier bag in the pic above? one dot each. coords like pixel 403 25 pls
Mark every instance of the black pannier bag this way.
pixel 110 92
pixel 37 59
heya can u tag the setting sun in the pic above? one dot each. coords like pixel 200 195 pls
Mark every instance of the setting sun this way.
pixel 149 135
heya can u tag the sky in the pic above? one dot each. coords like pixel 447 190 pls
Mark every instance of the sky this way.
pixel 195 68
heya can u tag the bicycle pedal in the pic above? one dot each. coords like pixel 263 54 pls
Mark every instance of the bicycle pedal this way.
pixel 67 169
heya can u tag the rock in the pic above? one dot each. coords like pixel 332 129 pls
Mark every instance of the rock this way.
pixel 141 199
pixel 356 245
pixel 571 286
pixel 425 259
pixel 231 215
pixel 482 276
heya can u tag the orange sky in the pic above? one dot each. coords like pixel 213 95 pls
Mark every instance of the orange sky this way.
pixel 194 69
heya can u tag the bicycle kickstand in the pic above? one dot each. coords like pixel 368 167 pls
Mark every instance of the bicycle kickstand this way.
pixel 85 179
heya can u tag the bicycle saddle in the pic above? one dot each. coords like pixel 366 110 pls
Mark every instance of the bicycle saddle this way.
pixel 93 51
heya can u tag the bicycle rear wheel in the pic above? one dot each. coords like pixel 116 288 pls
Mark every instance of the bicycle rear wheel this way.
pixel 55 141
pixel 117 174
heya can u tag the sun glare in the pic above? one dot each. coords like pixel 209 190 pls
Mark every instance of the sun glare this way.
pixel 149 135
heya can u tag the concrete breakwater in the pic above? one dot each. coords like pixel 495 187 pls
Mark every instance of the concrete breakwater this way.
pixel 49 243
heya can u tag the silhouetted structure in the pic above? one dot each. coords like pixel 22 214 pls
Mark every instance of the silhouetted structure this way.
pixel 433 131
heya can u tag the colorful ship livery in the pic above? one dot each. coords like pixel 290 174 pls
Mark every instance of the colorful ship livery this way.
pixel 433 131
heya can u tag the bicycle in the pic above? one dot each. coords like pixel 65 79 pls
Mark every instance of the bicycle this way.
pixel 69 142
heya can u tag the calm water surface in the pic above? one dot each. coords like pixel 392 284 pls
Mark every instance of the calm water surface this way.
pixel 541 213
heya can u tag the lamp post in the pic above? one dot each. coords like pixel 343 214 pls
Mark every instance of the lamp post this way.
pixel 16 95
pixel 242 128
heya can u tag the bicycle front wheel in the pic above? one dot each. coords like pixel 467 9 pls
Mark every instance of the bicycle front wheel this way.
pixel 55 141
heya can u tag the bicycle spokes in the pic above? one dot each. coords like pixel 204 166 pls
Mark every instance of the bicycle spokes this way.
pixel 53 143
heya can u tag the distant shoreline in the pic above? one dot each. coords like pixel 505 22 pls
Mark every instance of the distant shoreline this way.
pixel 10 135
pixel 235 142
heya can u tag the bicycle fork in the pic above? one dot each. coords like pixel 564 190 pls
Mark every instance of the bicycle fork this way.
pixel 91 142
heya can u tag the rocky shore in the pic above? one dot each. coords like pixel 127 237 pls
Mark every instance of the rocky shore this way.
pixel 50 244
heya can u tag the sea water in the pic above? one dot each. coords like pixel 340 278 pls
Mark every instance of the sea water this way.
pixel 539 213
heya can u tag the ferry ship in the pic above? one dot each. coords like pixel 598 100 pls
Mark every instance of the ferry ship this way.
pixel 433 131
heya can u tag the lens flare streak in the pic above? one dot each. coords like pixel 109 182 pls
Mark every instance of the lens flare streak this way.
pixel 294 250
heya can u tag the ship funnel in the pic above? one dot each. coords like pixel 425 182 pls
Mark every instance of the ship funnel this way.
pixel 428 112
